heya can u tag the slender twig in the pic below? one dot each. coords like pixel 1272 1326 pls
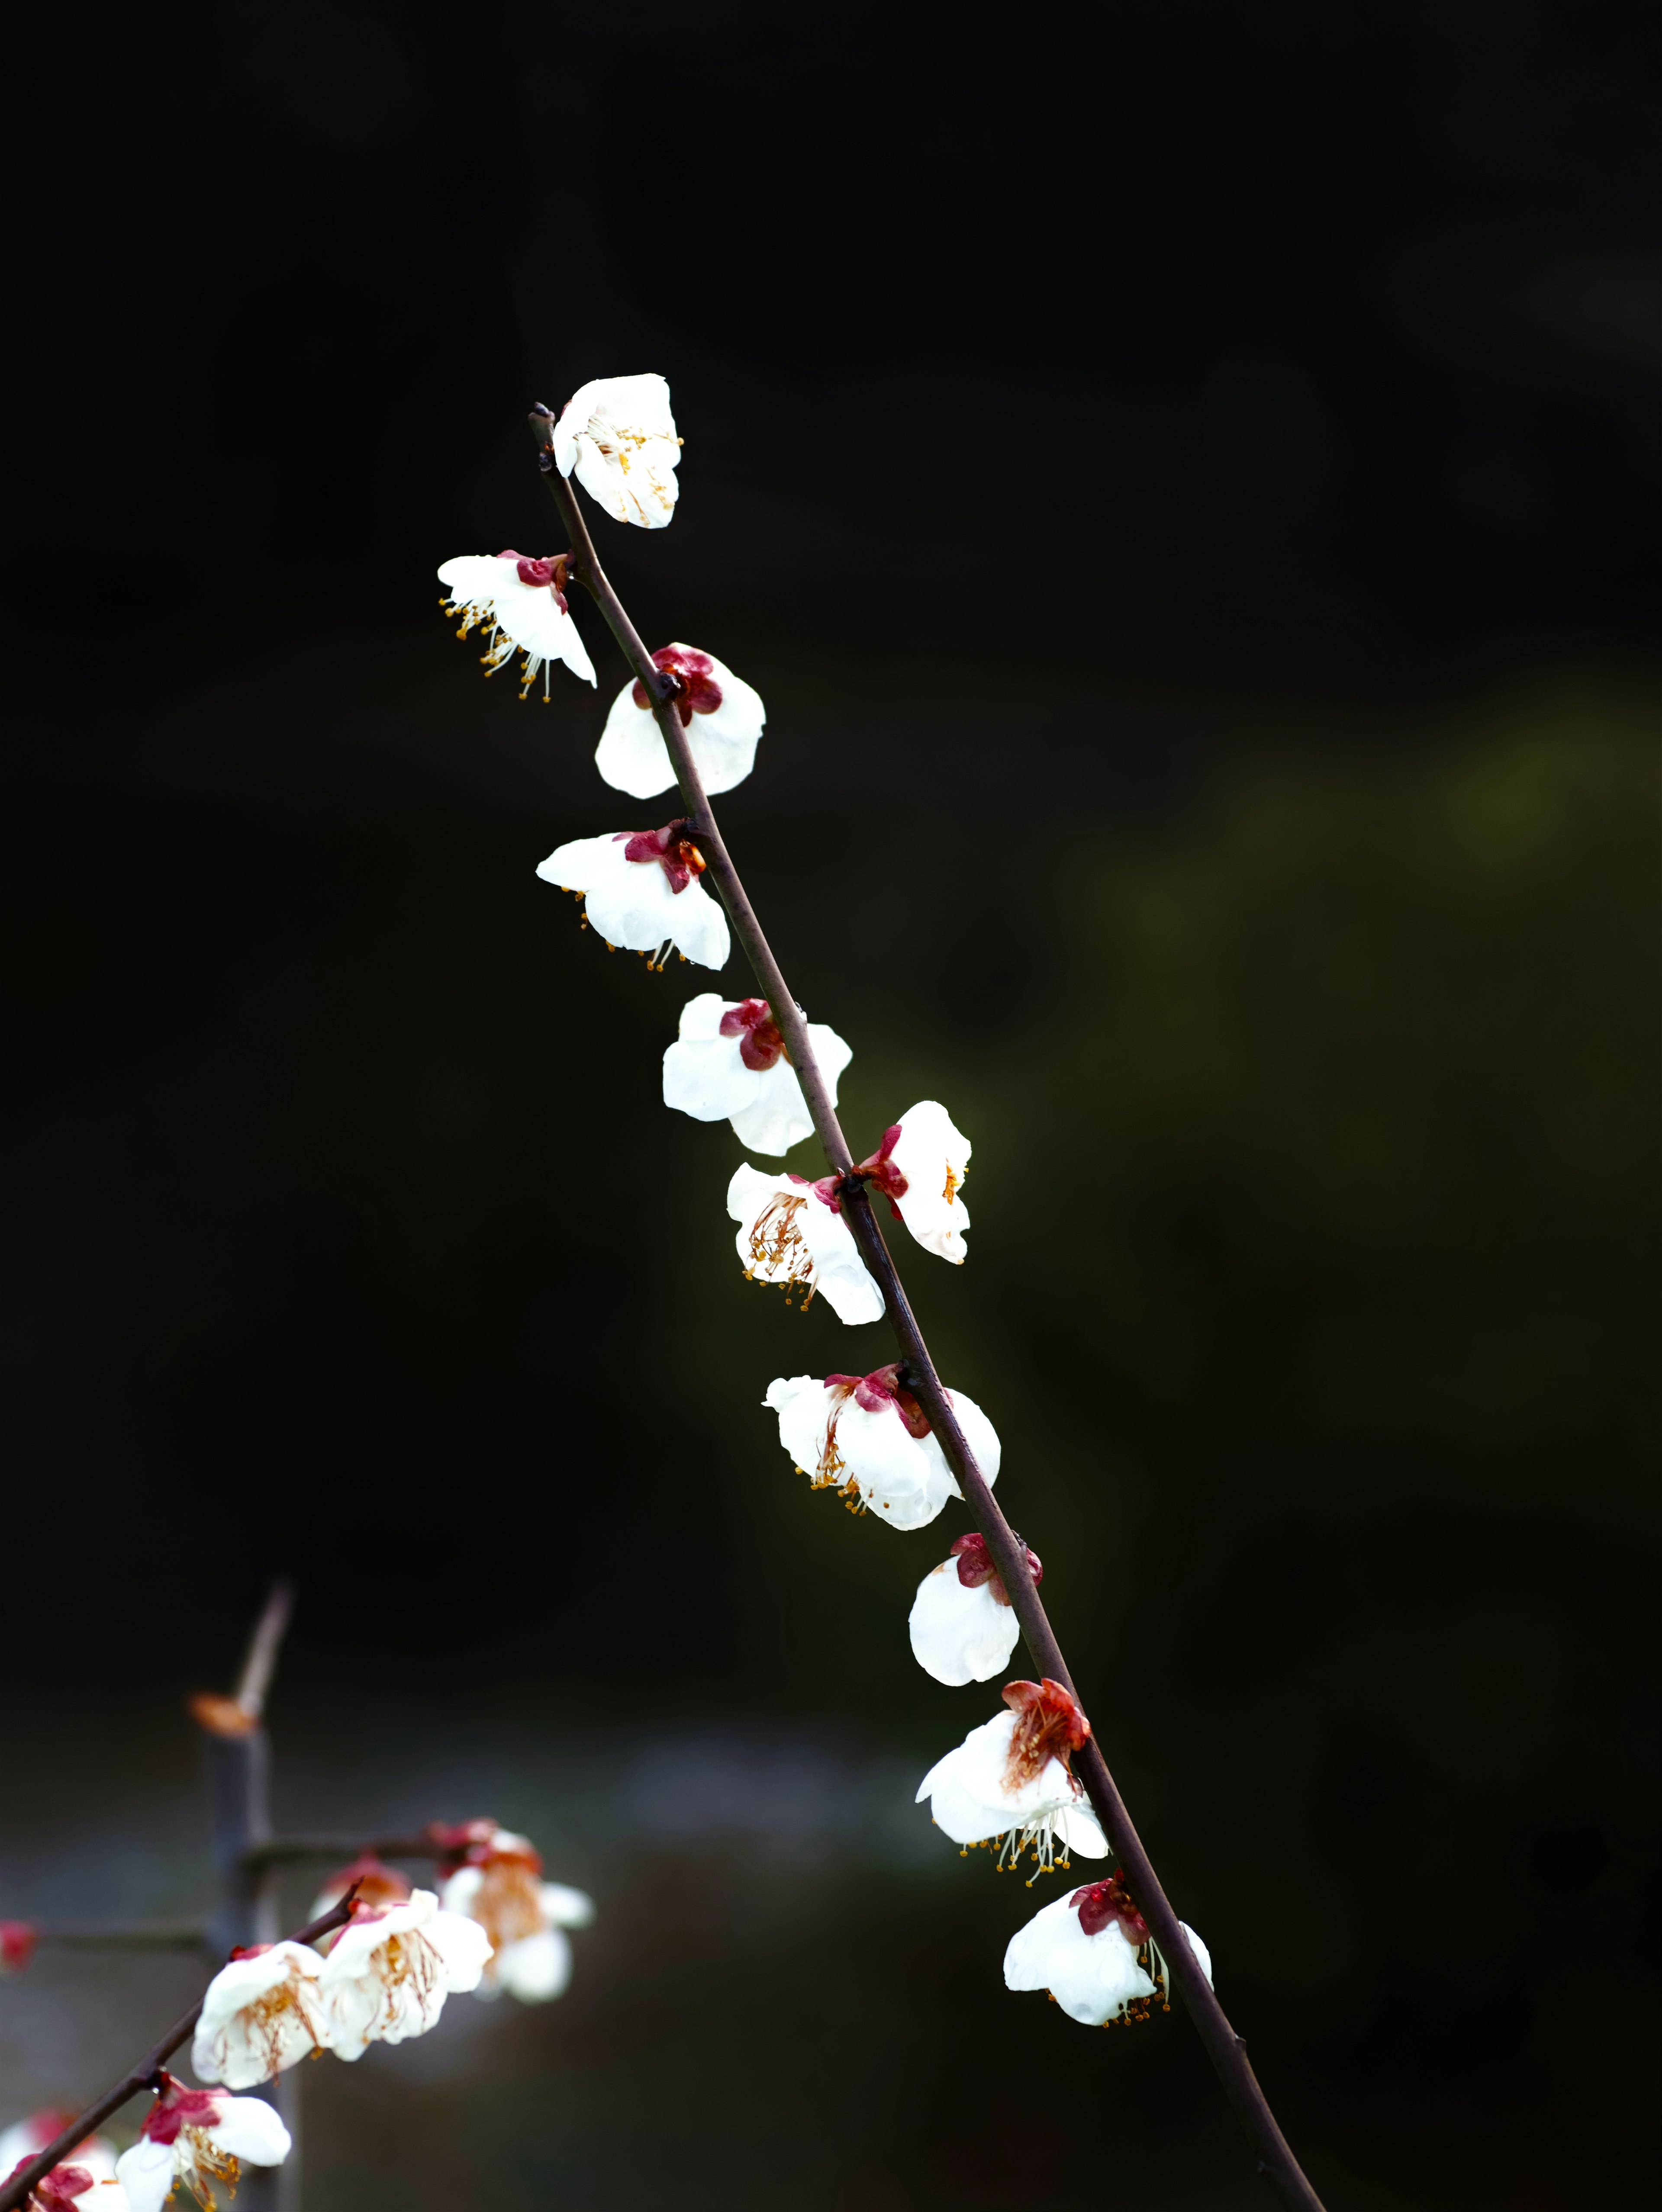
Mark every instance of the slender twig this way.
pixel 1225 2049
pixel 15 2191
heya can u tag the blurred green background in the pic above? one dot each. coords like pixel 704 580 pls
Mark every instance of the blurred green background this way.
pixel 1186 494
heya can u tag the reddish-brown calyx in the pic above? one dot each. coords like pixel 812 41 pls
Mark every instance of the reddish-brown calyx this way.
pixel 1049 1724
pixel 696 691
pixel 879 1389
pixel 881 1174
pixel 760 1039
pixel 671 848
pixel 551 572
pixel 975 1566
pixel 1103 1901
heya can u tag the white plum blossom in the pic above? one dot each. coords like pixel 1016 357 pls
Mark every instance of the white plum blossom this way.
pixel 73 2186
pixel 792 1231
pixel 617 434
pixel 720 713
pixel 392 1968
pixel 375 1884
pixel 867 1436
pixel 27 2139
pixel 643 892
pixel 521 606
pixel 962 1624
pixel 1094 1953
pixel 919 1168
pixel 499 1884
pixel 730 1063
pixel 1008 1781
pixel 262 2013
pixel 198 2136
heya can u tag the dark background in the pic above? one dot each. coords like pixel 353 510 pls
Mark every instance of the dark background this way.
pixel 1186 484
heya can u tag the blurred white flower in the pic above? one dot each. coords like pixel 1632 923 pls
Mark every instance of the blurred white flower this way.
pixel 72 2187
pixel 867 1436
pixel 919 1168
pixel 643 892
pixel 27 2139
pixel 499 1884
pixel 962 1628
pixel 792 1231
pixel 720 713
pixel 199 2136
pixel 618 434
pixel 376 1883
pixel 1008 1781
pixel 729 1063
pixel 521 605
pixel 262 2013
pixel 392 1968
pixel 1094 1953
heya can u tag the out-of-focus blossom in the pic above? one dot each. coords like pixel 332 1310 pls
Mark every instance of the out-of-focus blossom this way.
pixel 392 1968
pixel 1094 1953
pixel 27 2139
pixel 521 605
pixel 792 1231
pixel 72 2187
pixel 198 2136
pixel 867 1436
pixel 721 714
pixel 376 1883
pixel 920 1168
pixel 17 1941
pixel 617 434
pixel 498 1883
pixel 963 1627
pixel 1008 1781
pixel 263 2011
pixel 730 1063
pixel 642 891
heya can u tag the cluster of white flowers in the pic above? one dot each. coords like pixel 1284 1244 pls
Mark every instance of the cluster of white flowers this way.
pixel 1009 1786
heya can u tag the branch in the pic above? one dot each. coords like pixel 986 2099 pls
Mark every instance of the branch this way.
pixel 140 1936
pixel 289 1850
pixel 16 2191
pixel 1225 2049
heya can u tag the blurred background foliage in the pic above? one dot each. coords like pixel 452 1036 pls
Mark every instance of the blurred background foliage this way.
pixel 1186 490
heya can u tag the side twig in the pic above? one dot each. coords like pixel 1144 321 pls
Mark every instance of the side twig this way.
pixel 1227 2050
pixel 16 2191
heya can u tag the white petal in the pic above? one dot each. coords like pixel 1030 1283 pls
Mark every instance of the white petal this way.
pixel 1027 1956
pixel 252 2130
pixel 631 755
pixel 146 2173
pixel 775 1116
pixel 960 1635
pixel 706 1079
pixel 566 1907
pixel 1198 1948
pixel 577 864
pixel 931 1154
pixel 461 1890
pixel 1094 1977
pixel 462 1947
pixel 536 1967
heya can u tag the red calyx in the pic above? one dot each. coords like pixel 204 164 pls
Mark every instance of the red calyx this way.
pixel 700 694
pixel 675 853
pixel 178 2107
pixel 17 1941
pixel 378 1885
pixel 548 572
pixel 975 1566
pixel 56 2191
pixel 881 1173
pixel 760 1043
pixel 882 1387
pixel 1049 1724
pixel 1109 1901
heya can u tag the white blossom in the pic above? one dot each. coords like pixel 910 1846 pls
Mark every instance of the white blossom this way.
pixel 521 605
pixel 392 1968
pixel 1008 1782
pixel 198 2136
pixel 962 1624
pixel 1094 1953
pixel 375 1884
pixel 792 1231
pixel 72 2186
pixel 263 2011
pixel 919 1168
pixel 721 714
pixel 729 1063
pixel 618 434
pixel 867 1436
pixel 500 1885
pixel 27 2139
pixel 643 892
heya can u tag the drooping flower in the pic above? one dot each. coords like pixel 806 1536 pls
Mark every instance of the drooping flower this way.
pixel 618 434
pixel 521 605
pixel 920 1168
pixel 730 1063
pixel 392 1968
pixel 198 2136
pixel 71 2187
pixel 963 1627
pixel 263 2011
pixel 867 1436
pixel 643 892
pixel 792 1231
pixel 1094 1953
pixel 27 2139
pixel 375 1882
pixel 1008 1781
pixel 720 713
pixel 498 1883
pixel 17 1940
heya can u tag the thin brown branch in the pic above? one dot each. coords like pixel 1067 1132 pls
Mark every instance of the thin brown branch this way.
pixel 1225 2049
pixel 15 2191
